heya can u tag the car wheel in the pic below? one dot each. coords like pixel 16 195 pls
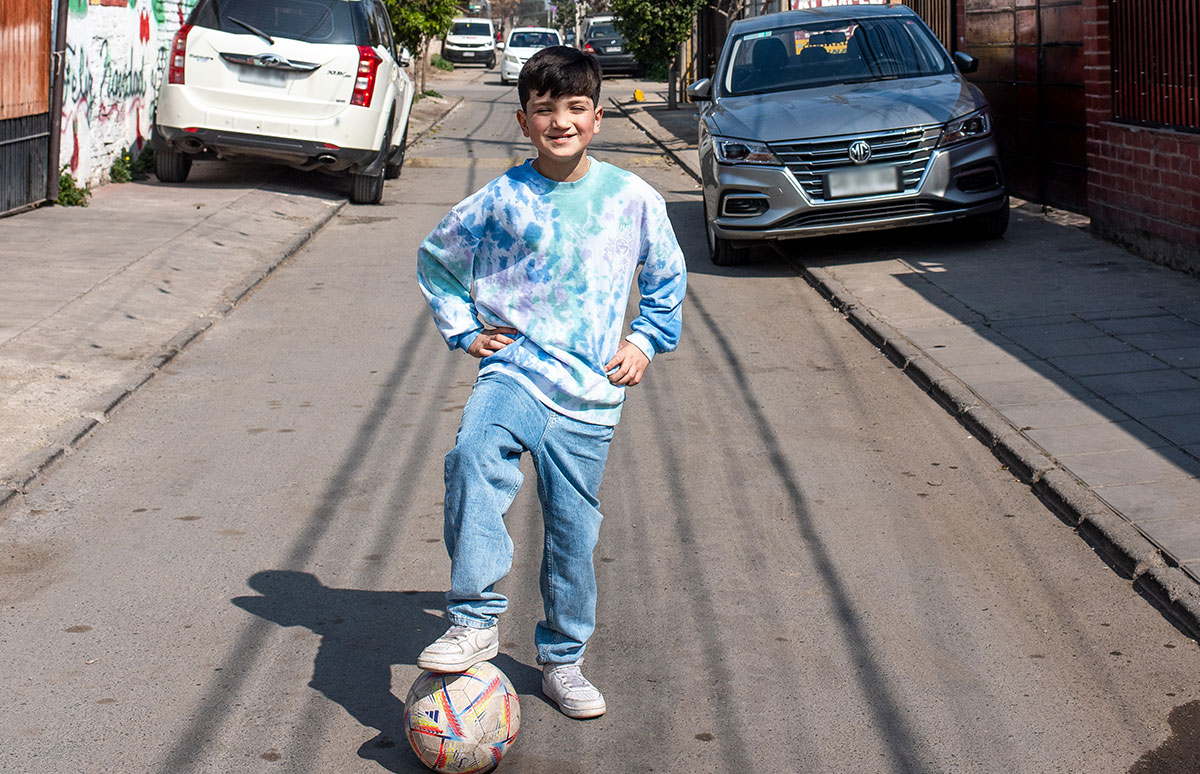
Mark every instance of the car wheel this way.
pixel 392 170
pixel 367 189
pixel 491 63
pixel 721 251
pixel 171 166
pixel 990 226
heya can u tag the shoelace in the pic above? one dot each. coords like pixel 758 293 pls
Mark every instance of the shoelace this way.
pixel 456 633
pixel 572 677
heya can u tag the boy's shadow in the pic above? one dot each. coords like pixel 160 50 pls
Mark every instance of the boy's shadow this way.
pixel 363 633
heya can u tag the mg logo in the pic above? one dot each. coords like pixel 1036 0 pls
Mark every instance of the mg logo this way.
pixel 860 151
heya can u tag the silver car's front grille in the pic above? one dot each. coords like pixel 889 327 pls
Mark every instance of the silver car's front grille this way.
pixel 809 160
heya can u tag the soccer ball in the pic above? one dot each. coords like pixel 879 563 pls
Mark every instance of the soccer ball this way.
pixel 462 722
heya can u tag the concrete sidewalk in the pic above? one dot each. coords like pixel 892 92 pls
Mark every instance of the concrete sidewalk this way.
pixel 96 300
pixel 1076 362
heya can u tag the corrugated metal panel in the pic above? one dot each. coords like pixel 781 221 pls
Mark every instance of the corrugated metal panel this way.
pixel 1156 62
pixel 24 57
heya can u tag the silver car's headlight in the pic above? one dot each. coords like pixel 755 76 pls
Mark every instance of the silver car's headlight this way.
pixel 730 151
pixel 972 126
pixel 512 58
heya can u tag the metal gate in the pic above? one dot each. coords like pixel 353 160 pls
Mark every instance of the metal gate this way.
pixel 939 15
pixel 24 102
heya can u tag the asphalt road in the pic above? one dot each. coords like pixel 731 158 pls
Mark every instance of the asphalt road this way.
pixel 806 565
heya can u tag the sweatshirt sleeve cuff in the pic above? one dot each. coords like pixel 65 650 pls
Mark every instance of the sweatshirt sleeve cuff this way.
pixel 464 340
pixel 642 342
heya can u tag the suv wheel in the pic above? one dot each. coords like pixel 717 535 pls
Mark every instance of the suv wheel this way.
pixel 367 189
pixel 171 166
pixel 491 63
pixel 392 170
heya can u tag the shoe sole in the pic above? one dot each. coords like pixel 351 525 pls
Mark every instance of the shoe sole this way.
pixel 580 714
pixel 461 665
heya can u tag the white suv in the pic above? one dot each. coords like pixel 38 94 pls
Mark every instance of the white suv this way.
pixel 314 84
pixel 470 40
pixel 524 42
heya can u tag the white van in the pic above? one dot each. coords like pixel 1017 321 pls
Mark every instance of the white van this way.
pixel 470 40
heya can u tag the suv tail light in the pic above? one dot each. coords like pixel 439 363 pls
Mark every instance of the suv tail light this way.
pixel 364 84
pixel 587 48
pixel 178 55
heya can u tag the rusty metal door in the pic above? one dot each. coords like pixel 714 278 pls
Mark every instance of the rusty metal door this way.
pixel 939 15
pixel 24 102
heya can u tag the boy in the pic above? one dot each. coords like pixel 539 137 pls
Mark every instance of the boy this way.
pixel 532 274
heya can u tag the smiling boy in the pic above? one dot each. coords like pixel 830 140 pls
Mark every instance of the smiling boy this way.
pixel 532 274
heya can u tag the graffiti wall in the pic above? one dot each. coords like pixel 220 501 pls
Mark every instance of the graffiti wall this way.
pixel 116 52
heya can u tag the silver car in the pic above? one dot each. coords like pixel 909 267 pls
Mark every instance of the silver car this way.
pixel 842 119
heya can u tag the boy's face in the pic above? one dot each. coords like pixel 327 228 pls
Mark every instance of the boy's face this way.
pixel 560 128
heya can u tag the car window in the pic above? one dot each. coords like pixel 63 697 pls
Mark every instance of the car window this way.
pixel 602 31
pixel 825 53
pixel 470 28
pixel 385 27
pixel 312 21
pixel 533 39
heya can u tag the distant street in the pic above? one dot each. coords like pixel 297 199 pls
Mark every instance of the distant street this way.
pixel 807 565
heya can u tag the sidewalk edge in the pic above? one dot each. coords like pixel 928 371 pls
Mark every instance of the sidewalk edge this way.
pixel 652 129
pixel 1111 535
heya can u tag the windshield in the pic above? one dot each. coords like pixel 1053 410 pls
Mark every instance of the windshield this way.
pixel 313 21
pixel 471 28
pixel 533 40
pixel 606 30
pixel 825 53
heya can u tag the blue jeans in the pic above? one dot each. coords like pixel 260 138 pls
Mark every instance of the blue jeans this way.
pixel 500 422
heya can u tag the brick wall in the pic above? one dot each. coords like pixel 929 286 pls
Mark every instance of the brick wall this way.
pixel 1143 183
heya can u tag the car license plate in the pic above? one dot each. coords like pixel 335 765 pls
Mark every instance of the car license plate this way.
pixel 263 77
pixel 616 49
pixel 862 181
pixel 468 53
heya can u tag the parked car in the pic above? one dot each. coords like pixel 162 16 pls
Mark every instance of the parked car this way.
pixel 313 84
pixel 470 40
pixel 607 44
pixel 842 119
pixel 522 43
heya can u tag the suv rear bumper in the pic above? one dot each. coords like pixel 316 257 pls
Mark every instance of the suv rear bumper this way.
pixel 468 55
pixel 225 144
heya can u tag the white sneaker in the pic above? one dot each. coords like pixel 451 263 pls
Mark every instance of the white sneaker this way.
pixel 460 648
pixel 565 685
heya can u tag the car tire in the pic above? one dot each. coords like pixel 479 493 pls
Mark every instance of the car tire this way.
pixel 171 166
pixel 367 189
pixel 990 226
pixel 491 63
pixel 720 251
pixel 392 170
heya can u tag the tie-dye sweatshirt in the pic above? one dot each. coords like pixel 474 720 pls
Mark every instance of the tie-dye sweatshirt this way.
pixel 556 261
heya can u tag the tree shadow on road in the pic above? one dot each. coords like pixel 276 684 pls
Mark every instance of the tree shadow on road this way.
pixel 363 633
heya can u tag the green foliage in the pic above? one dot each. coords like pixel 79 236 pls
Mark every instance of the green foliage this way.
pixel 430 93
pixel 144 164
pixel 69 192
pixel 120 171
pixel 416 22
pixel 653 29
pixel 437 61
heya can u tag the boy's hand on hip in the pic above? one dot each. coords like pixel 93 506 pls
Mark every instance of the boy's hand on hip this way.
pixel 491 341
pixel 627 366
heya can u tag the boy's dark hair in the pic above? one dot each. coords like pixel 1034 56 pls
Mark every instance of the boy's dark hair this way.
pixel 561 71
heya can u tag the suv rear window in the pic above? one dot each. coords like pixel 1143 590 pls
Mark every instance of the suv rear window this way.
pixel 603 31
pixel 471 28
pixel 312 21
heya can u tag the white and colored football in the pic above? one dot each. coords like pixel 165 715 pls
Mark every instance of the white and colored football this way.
pixel 462 722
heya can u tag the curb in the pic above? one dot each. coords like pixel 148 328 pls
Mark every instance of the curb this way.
pixel 649 132
pixel 1130 553
pixel 71 435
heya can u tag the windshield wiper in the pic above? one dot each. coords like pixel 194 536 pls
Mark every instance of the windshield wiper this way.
pixel 255 30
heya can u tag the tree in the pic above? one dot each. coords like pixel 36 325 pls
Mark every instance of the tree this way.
pixel 418 22
pixel 654 30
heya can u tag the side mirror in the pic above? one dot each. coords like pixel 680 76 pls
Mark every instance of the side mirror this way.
pixel 700 90
pixel 500 45
pixel 965 62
